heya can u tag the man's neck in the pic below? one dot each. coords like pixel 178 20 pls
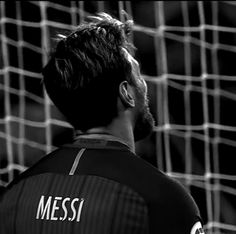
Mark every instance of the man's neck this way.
pixel 123 134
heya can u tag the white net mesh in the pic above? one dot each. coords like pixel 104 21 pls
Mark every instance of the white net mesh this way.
pixel 187 52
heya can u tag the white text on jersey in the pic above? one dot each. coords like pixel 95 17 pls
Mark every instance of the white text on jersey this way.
pixel 59 208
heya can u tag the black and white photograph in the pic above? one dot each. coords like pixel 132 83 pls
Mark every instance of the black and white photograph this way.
pixel 118 117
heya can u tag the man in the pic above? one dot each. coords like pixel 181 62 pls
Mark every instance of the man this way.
pixel 98 184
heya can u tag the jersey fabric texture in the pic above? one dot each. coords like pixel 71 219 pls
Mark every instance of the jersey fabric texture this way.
pixel 96 187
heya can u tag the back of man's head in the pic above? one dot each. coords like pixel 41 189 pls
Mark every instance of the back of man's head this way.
pixel 83 74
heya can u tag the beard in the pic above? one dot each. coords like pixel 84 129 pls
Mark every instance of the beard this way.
pixel 144 123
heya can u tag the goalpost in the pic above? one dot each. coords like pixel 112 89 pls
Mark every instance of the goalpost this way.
pixel 187 52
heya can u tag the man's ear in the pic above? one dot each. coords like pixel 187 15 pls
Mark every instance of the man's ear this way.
pixel 126 94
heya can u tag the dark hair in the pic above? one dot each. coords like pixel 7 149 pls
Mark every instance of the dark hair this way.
pixel 83 74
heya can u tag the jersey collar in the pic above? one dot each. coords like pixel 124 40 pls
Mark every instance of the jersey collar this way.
pixel 97 141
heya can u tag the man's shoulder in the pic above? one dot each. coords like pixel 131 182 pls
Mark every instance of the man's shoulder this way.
pixel 167 199
pixel 159 188
pixel 160 185
pixel 147 179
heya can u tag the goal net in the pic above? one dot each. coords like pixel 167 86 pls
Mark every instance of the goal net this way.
pixel 187 52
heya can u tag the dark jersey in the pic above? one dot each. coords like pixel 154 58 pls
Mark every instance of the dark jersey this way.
pixel 96 187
